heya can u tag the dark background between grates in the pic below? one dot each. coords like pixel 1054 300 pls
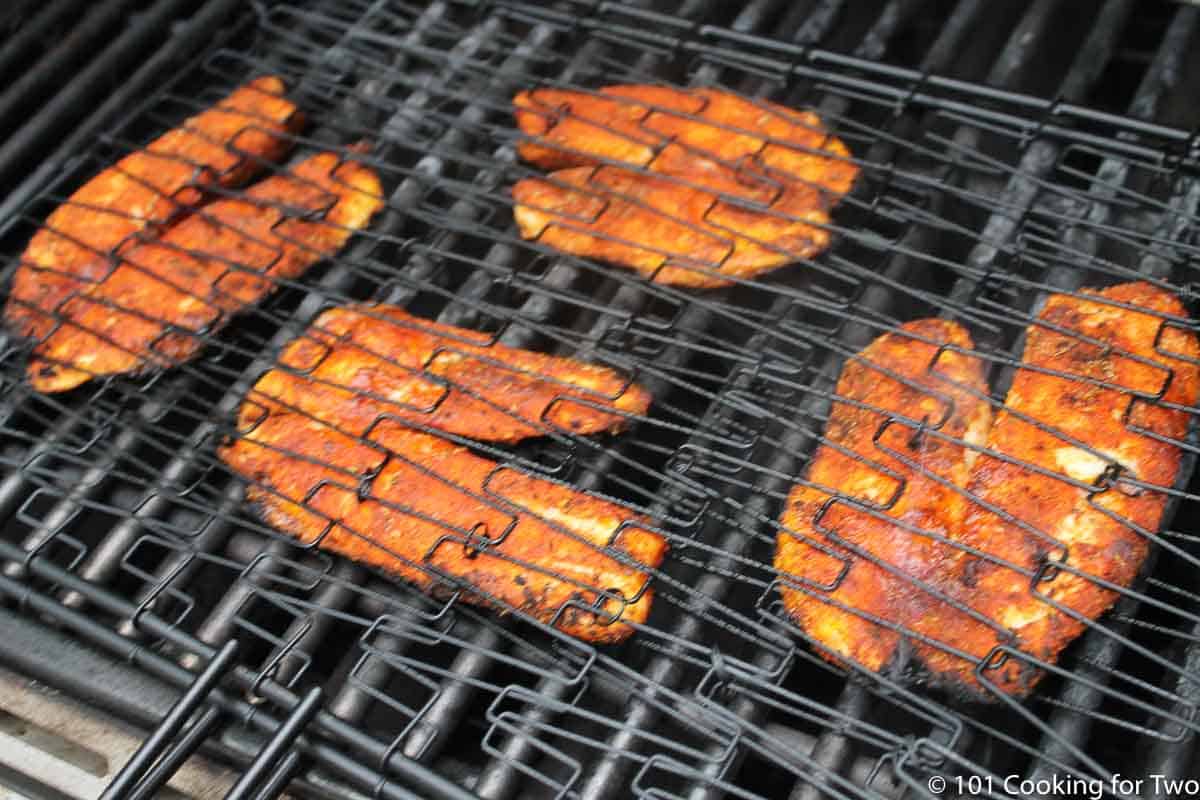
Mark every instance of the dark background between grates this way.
pixel 1006 152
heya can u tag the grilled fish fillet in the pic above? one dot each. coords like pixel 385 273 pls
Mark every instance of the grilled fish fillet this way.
pixel 332 459
pixel 1082 428
pixel 1030 498
pixel 695 186
pixel 669 130
pixel 885 561
pixel 151 309
pixel 224 145
pixel 442 376
pixel 675 234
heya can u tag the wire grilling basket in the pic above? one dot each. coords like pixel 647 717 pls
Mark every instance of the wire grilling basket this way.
pixel 973 204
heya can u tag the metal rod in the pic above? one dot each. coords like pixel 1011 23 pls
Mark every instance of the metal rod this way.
pixel 420 776
pixel 98 21
pixel 165 767
pixel 33 32
pixel 279 778
pixel 66 104
pixel 182 45
pixel 160 739
pixel 279 744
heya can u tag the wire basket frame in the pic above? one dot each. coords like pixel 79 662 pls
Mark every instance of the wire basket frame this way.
pixel 119 483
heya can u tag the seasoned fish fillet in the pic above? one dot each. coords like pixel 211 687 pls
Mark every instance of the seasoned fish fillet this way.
pixel 739 177
pixel 442 376
pixel 680 236
pixel 895 375
pixel 1043 489
pixel 1088 431
pixel 333 461
pixel 224 145
pixel 671 130
pixel 149 311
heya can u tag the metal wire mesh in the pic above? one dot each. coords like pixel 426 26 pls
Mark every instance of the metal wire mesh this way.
pixel 973 204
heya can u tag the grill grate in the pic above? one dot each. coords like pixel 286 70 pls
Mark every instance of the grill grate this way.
pixel 975 202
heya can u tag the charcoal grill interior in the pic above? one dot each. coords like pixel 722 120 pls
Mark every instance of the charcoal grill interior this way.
pixel 1007 151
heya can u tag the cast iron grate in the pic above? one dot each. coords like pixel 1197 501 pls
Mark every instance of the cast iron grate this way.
pixel 975 201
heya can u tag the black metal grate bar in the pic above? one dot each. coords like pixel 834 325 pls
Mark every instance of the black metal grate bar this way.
pixel 98 22
pixel 158 745
pixel 275 759
pixel 48 656
pixel 71 99
pixel 163 668
pixel 31 31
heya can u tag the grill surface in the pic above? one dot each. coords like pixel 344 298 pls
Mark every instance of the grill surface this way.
pixel 1056 157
